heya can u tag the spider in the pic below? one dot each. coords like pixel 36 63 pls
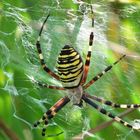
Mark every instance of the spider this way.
pixel 72 72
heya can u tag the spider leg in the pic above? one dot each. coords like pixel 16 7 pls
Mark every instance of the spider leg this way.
pixel 44 85
pixel 92 16
pixel 87 63
pixel 105 112
pixel 98 76
pixel 38 46
pixel 88 57
pixel 51 113
pixel 109 103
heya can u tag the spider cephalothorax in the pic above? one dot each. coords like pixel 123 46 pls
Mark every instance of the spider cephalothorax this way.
pixel 75 95
pixel 73 74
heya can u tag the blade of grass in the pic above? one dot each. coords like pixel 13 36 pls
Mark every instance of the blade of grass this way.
pixel 11 135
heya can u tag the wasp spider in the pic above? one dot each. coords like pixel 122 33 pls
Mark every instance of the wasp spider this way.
pixel 73 74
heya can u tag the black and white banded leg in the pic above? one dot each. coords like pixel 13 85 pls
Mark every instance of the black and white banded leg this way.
pixel 51 113
pixel 44 85
pixel 42 61
pixel 103 111
pixel 109 103
pixel 98 76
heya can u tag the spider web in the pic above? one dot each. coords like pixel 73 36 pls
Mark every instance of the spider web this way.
pixel 69 23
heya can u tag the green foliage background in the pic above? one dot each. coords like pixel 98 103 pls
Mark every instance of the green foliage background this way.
pixel 21 102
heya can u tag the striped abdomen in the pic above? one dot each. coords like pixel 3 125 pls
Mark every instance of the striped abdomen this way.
pixel 70 67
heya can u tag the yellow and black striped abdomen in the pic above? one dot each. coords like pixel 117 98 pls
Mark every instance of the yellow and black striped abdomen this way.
pixel 70 67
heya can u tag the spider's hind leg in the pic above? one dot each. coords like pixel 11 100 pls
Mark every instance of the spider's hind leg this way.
pixel 51 113
pixel 109 103
pixel 105 112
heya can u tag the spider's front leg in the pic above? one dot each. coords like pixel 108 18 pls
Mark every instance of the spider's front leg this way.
pixel 88 57
pixel 38 46
pixel 51 113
